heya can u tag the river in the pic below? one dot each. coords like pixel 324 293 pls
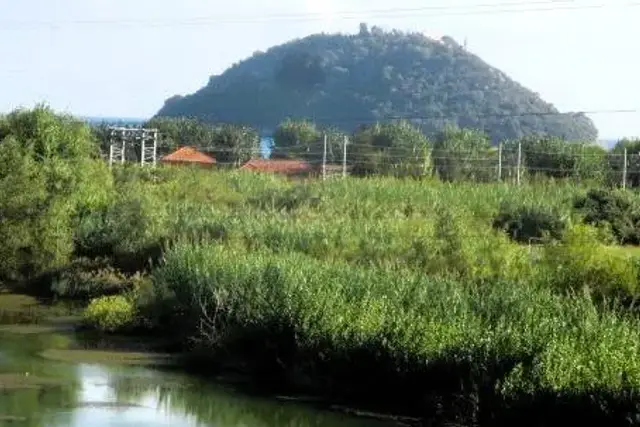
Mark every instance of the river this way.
pixel 37 392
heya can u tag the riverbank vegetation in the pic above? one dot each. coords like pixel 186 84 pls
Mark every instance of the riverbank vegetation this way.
pixel 484 303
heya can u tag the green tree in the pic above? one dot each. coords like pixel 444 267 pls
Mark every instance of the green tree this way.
pixel 549 156
pixel 50 176
pixel 616 162
pixel 592 164
pixel 296 139
pixel 397 148
pixel 234 145
pixel 464 154
pixel 554 157
pixel 557 158
pixel 178 132
pixel 101 134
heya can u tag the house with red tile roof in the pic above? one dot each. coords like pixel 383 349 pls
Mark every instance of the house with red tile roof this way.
pixel 280 166
pixel 188 156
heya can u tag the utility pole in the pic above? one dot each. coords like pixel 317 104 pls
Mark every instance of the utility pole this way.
pixel 519 162
pixel 143 140
pixel 324 157
pixel 344 157
pixel 624 169
pixel 123 156
pixel 500 162
pixel 155 147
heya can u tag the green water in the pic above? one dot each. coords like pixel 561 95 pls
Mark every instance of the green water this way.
pixel 100 395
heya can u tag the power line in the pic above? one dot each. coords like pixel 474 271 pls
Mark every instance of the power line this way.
pixel 418 117
pixel 445 117
pixel 450 154
pixel 427 11
pixel 408 117
pixel 477 116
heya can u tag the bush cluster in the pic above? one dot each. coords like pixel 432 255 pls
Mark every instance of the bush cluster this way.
pixel 530 224
pixel 86 279
pixel 110 313
pixel 613 210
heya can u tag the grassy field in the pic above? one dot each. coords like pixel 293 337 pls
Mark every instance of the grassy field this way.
pixel 477 304
pixel 403 294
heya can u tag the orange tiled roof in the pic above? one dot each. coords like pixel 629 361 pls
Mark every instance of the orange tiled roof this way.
pixel 188 155
pixel 278 166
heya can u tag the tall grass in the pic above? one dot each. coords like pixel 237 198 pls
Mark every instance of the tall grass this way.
pixel 397 292
pixel 397 334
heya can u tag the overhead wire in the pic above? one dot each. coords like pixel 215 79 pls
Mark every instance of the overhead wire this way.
pixel 362 119
pixel 438 10
pixel 453 153
pixel 424 11
pixel 507 168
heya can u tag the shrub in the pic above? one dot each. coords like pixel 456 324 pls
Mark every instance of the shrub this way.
pixel 530 223
pixel 612 209
pixel 86 279
pixel 292 199
pixel 110 313
pixel 153 304
pixel 132 230
pixel 581 261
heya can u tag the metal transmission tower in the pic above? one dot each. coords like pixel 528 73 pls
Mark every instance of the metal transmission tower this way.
pixel 117 145
pixel 148 146
pixel 121 137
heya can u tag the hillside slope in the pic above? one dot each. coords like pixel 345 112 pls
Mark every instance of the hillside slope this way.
pixel 347 80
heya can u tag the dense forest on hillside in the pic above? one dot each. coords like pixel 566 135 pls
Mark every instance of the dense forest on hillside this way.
pixel 346 80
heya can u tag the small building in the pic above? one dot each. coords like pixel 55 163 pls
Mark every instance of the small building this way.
pixel 291 168
pixel 188 156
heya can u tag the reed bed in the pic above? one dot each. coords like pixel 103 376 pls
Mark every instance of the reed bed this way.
pixel 396 292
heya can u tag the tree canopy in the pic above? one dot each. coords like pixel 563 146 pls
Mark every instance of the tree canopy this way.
pixel 397 148
pixel 50 175
pixel 345 81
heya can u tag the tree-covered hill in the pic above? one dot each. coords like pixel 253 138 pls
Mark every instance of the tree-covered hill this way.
pixel 347 80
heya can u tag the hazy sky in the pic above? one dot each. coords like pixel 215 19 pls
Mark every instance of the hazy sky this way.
pixel 125 57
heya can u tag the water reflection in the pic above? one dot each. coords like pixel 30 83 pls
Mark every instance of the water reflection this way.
pixel 99 404
pixel 101 396
pixel 216 406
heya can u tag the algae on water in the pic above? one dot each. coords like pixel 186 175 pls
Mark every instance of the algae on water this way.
pixel 15 381
pixel 109 357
